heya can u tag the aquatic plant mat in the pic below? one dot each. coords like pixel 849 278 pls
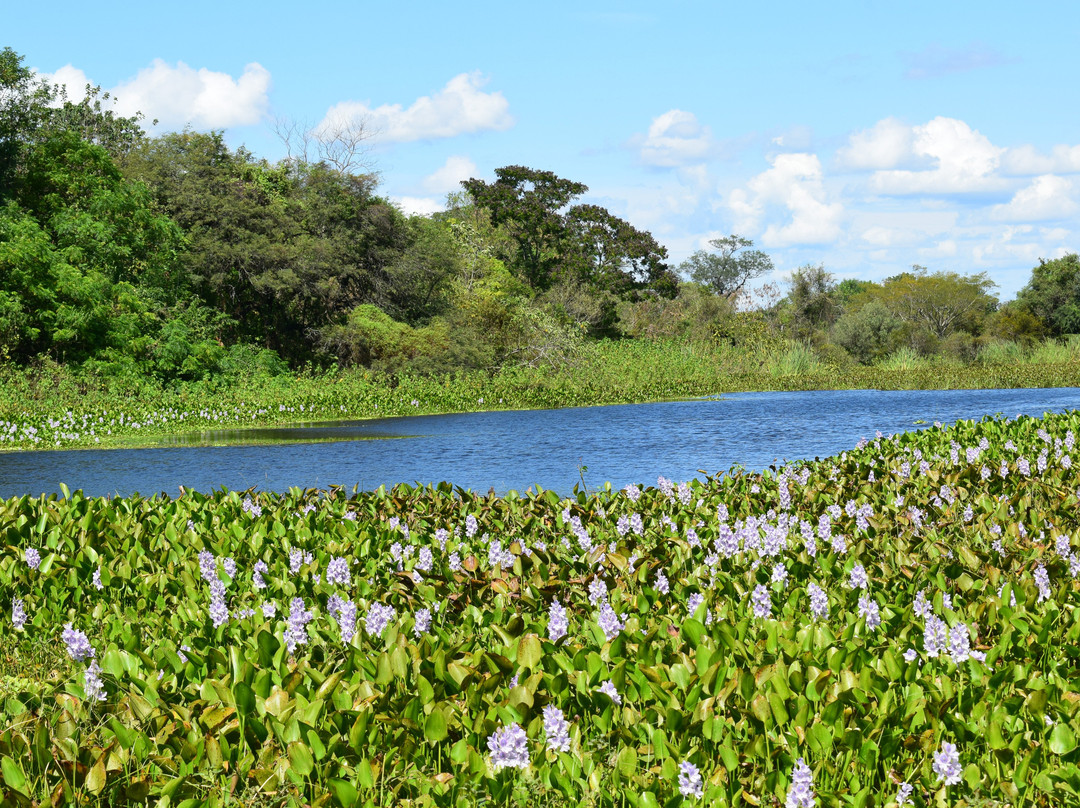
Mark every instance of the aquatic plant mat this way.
pixel 898 622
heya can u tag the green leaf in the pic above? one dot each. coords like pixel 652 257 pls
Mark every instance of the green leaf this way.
pixel 13 775
pixel 364 774
pixel 344 792
pixel 529 652
pixel 95 778
pixel 1062 740
pixel 435 726
pixel 300 758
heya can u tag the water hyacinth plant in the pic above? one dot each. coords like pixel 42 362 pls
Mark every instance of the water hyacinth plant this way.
pixel 425 675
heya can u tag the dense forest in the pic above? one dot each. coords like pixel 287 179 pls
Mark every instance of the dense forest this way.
pixel 177 257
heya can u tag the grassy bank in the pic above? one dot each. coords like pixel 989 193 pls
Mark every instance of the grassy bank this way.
pixel 55 408
pixel 906 612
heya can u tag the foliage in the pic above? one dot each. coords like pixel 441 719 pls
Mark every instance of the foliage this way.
pixel 938 303
pixel 1053 294
pixel 866 333
pixel 553 239
pixel 233 697
pixel 725 272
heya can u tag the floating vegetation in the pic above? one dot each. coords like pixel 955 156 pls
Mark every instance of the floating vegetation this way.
pixel 899 624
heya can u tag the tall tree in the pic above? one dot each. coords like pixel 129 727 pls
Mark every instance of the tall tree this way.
pixel 730 268
pixel 528 204
pixel 1053 294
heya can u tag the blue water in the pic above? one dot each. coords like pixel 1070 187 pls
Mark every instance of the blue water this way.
pixel 516 450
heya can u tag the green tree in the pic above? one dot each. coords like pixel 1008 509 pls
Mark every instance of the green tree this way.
pixel 939 303
pixel 812 300
pixel 554 241
pixel 1052 294
pixel 528 204
pixel 867 333
pixel 730 268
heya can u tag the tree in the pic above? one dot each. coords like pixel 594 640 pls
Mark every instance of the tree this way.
pixel 940 302
pixel 812 300
pixel 867 332
pixel 614 255
pixel 1053 294
pixel 725 272
pixel 528 204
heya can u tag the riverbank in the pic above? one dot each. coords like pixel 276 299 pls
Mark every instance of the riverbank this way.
pixel 54 408
pixel 905 612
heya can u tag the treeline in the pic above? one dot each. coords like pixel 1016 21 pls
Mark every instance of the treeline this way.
pixel 176 257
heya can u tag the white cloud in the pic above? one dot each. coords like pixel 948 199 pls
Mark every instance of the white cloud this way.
pixel 417 205
pixel 448 178
pixel 460 107
pixel 1047 197
pixel 206 99
pixel 675 138
pixel 181 95
pixel 795 182
pixel 1027 160
pixel 964 161
pixel 887 144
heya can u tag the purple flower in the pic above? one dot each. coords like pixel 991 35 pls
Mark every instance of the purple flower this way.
pixel 509 748
pixel 935 635
pixel 97 580
pixel 661 583
pixel 296 630
pixel 819 601
pixel 609 622
pixel 690 783
pixel 903 794
pixel 229 565
pixel 454 562
pixel 922 606
pixel 296 560
pixel 208 566
pixel 761 601
pixel 32 557
pixel 378 617
pixel 636 524
pixel 597 591
pixel 425 559
pixel 92 684
pixel 180 653
pixel 557 729
pixel 692 603
pixel 337 571
pixel 470 526
pixel 947 764
pixel 256 574
pixel 959 643
pixel 18 614
pixel 632 492
pixel 801 794
pixel 78 645
pixel 858 578
pixel 422 622
pixel 868 608
pixel 219 612
pixel 608 689
pixel 557 622
pixel 1042 580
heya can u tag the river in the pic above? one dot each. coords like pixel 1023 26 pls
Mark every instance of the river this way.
pixel 553 449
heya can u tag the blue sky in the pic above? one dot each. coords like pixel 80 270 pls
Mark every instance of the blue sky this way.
pixel 865 135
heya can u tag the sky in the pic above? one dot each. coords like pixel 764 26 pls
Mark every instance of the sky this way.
pixel 867 136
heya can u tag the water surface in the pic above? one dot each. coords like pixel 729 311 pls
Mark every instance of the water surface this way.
pixel 516 450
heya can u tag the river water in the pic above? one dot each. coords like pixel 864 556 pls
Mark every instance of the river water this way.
pixel 553 449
